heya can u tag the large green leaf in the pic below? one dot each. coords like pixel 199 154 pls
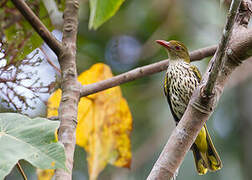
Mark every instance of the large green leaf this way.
pixel 30 139
pixel 101 11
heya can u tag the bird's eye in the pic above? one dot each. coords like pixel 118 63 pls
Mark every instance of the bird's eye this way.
pixel 177 47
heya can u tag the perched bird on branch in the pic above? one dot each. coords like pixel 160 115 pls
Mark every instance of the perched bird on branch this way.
pixel 180 81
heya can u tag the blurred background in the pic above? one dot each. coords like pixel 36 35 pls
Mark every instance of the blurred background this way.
pixel 127 41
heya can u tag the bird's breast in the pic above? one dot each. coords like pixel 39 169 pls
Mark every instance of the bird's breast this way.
pixel 181 82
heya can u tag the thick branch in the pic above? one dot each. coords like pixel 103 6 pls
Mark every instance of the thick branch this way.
pixel 142 71
pixel 35 22
pixel 218 62
pixel 70 88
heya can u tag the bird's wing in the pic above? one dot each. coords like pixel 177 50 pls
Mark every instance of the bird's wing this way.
pixel 166 85
pixel 166 91
pixel 196 72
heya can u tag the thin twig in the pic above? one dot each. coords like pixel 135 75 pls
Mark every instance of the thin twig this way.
pixel 44 33
pixel 142 72
pixel 218 62
pixel 49 61
pixel 20 169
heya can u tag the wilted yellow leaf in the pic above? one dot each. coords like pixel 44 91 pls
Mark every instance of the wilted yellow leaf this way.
pixel 45 174
pixel 104 122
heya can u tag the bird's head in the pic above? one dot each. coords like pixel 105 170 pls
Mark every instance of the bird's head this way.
pixel 176 50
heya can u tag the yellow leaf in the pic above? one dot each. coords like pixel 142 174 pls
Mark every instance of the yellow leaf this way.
pixel 104 123
pixel 53 103
pixel 45 174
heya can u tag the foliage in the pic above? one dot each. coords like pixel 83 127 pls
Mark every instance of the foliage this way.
pixel 30 139
pixel 101 11
pixel 17 36
pixel 104 123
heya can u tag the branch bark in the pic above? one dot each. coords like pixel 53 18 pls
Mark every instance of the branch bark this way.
pixel 70 87
pixel 200 108
pixel 219 56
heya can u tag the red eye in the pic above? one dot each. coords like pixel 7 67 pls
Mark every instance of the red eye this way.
pixel 177 47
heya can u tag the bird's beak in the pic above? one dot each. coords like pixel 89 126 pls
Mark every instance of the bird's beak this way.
pixel 164 43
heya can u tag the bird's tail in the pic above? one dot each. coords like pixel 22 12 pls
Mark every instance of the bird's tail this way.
pixel 205 155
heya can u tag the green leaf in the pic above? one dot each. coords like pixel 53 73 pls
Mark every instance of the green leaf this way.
pixel 30 139
pixel 101 11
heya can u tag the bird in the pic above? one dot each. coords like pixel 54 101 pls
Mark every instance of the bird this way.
pixel 180 81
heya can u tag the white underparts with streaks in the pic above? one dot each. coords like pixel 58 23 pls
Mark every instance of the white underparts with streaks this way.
pixel 181 82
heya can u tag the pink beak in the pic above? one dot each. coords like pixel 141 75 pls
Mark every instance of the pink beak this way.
pixel 164 43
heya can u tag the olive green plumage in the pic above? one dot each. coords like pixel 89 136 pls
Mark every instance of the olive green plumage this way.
pixel 180 81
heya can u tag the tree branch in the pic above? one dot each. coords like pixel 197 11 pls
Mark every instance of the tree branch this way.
pixel 218 62
pixel 70 87
pixel 199 110
pixel 202 53
pixel 39 27
pixel 141 72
